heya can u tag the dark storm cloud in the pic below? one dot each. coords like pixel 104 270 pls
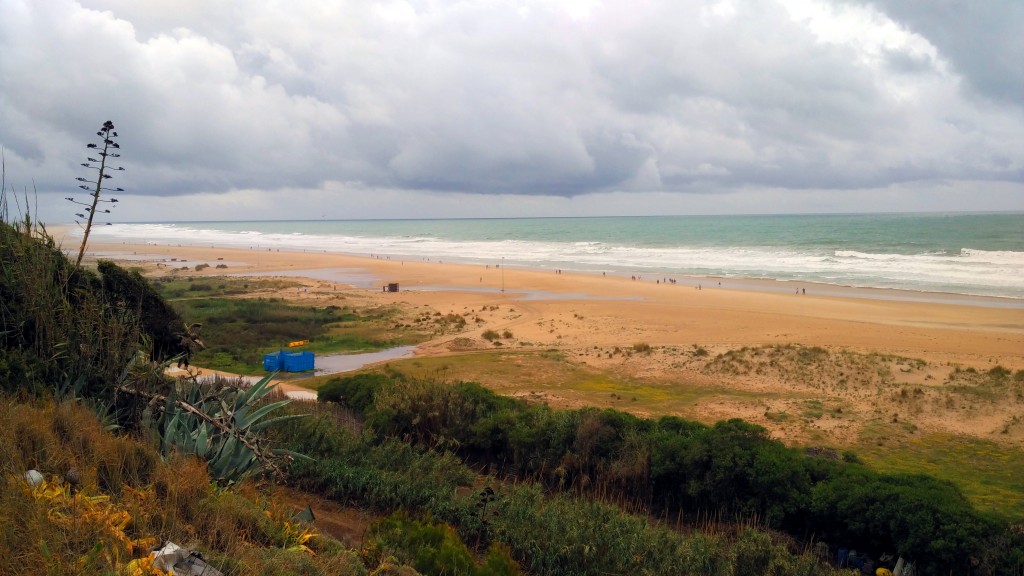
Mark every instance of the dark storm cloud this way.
pixel 984 40
pixel 517 97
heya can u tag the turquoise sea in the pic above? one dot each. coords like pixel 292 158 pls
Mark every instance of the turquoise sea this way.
pixel 973 254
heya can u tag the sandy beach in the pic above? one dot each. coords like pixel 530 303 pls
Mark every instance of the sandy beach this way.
pixel 589 318
pixel 972 331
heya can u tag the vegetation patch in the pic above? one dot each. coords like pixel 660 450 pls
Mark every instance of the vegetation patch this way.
pixel 104 500
pixel 668 465
pixel 638 392
pixel 988 473
pixel 177 288
pixel 239 331
pixel 813 409
pixel 815 367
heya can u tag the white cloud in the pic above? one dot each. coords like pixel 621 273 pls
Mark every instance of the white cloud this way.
pixel 689 103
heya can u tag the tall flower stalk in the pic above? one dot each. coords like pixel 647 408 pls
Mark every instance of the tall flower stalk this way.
pixel 90 209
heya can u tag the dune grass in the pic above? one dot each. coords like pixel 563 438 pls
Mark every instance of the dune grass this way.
pixel 550 376
pixel 988 473
pixel 182 288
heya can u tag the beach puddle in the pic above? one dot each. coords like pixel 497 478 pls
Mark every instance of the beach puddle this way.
pixel 337 363
pixel 325 365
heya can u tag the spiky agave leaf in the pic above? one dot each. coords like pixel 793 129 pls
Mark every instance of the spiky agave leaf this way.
pixel 246 421
pixel 226 432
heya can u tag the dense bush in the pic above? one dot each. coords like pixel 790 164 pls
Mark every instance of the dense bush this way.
pixel 55 323
pixel 161 323
pixel 925 518
pixel 385 476
pixel 354 392
pixel 60 323
pixel 435 549
pixel 563 534
pixel 570 535
pixel 670 466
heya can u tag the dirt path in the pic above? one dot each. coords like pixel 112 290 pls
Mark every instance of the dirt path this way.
pixel 291 390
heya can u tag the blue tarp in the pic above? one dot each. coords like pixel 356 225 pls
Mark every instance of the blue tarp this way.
pixel 288 361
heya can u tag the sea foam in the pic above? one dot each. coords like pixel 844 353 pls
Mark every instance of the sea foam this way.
pixel 923 266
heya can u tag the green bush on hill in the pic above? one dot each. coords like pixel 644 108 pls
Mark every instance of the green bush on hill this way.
pixel 56 322
pixel 435 549
pixel 671 466
pixel 559 534
pixel 355 392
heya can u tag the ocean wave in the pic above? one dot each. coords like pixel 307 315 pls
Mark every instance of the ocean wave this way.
pixel 994 256
pixel 969 271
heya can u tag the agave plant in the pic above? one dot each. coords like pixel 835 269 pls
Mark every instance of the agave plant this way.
pixel 222 426
pixel 96 187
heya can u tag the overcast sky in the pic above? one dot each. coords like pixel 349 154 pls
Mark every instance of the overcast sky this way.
pixel 357 109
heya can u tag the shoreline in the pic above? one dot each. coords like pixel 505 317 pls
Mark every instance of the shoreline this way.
pixel 892 276
pixel 149 253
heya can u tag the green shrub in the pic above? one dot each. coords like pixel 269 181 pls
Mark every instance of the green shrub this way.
pixel 916 516
pixel 56 322
pixel 435 549
pixel 672 465
pixel 355 392
pixel 386 477
pixel 999 373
